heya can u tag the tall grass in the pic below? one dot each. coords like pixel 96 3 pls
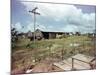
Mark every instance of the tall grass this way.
pixel 52 48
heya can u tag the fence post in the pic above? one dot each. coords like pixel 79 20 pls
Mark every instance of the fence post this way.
pixel 72 63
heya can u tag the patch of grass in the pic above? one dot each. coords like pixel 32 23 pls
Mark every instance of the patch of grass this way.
pixel 50 48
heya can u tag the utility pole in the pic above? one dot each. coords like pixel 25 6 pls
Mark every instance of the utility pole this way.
pixel 35 13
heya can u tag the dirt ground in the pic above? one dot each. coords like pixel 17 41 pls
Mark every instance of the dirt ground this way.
pixel 42 66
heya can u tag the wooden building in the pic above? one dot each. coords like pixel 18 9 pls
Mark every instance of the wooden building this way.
pixel 39 34
pixel 49 35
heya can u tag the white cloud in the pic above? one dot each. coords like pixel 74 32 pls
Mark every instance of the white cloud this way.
pixel 41 27
pixel 74 18
pixel 54 10
pixel 69 28
pixel 18 26
pixel 30 27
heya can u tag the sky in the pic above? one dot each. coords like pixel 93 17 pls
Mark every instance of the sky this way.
pixel 53 17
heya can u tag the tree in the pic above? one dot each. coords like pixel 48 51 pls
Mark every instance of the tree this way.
pixel 14 36
pixel 78 33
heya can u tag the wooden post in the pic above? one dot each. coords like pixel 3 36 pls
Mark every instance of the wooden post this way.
pixel 35 13
pixel 72 63
pixel 62 53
